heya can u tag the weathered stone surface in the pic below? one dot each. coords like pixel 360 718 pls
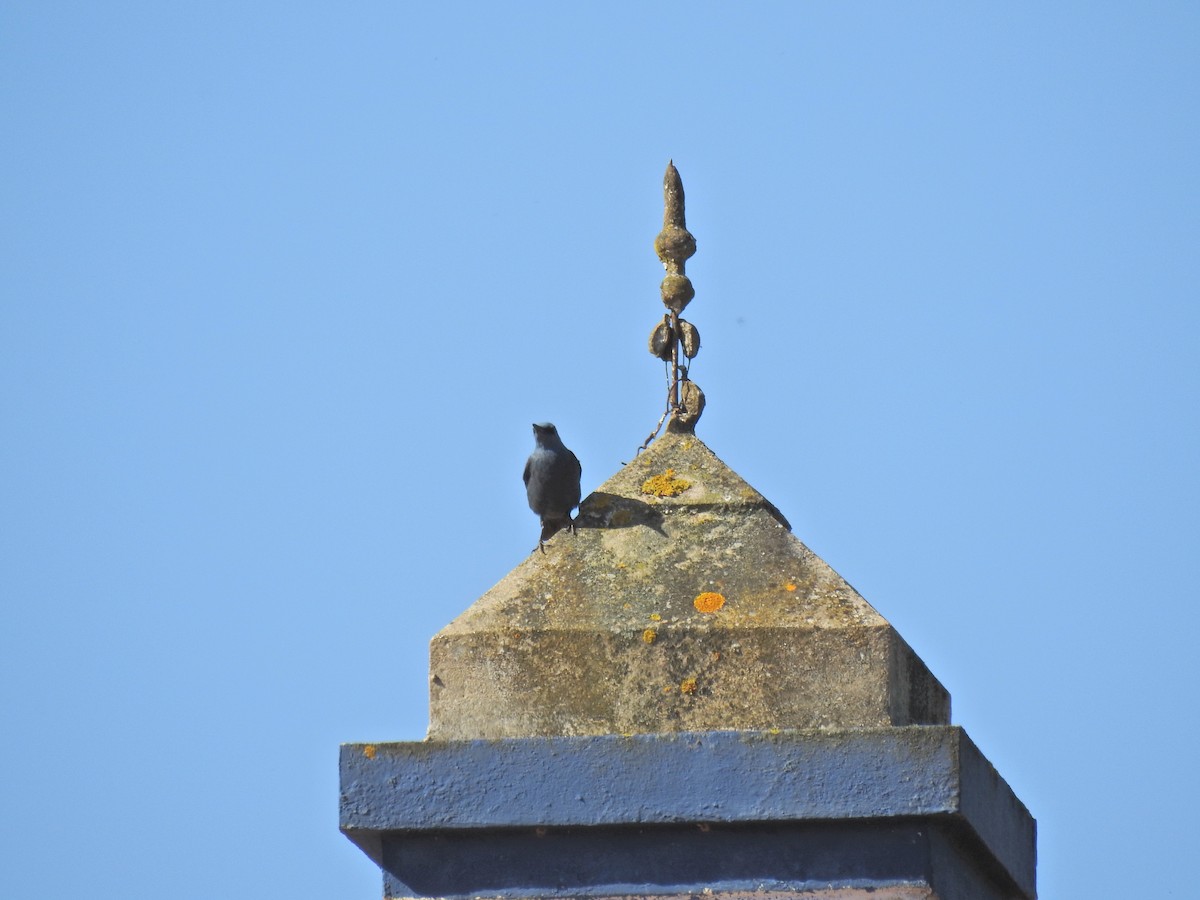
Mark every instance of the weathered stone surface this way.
pixel 608 631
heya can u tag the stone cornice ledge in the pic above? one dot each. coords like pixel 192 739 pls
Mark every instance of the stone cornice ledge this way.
pixel 690 777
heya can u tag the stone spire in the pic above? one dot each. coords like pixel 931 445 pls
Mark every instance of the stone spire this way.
pixel 682 603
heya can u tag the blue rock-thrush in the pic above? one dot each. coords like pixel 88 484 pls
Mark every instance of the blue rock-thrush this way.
pixel 552 481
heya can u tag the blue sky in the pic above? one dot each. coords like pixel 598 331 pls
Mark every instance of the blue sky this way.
pixel 285 284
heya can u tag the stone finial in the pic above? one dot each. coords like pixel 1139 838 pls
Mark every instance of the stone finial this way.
pixel 674 244
pixel 675 340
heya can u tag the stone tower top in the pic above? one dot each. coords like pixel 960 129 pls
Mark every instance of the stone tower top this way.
pixel 681 699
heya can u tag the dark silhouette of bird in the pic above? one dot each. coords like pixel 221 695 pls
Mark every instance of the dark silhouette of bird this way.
pixel 552 482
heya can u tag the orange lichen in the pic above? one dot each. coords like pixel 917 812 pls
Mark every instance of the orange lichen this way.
pixel 655 617
pixel 708 602
pixel 688 686
pixel 665 485
pixel 789 587
pixel 649 635
pixel 369 751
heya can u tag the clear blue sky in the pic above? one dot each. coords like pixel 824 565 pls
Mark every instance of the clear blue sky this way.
pixel 284 285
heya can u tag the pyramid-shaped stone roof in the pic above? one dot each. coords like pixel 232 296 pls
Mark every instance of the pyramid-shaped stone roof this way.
pixel 683 602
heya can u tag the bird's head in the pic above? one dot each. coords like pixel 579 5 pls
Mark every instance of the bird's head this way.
pixel 545 434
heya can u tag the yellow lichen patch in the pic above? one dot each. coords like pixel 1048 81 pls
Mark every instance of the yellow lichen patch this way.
pixel 708 602
pixel 369 751
pixel 655 617
pixel 789 587
pixel 688 686
pixel 649 635
pixel 665 485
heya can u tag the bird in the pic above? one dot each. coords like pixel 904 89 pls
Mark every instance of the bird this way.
pixel 552 475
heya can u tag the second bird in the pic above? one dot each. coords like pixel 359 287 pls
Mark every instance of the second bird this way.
pixel 552 481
